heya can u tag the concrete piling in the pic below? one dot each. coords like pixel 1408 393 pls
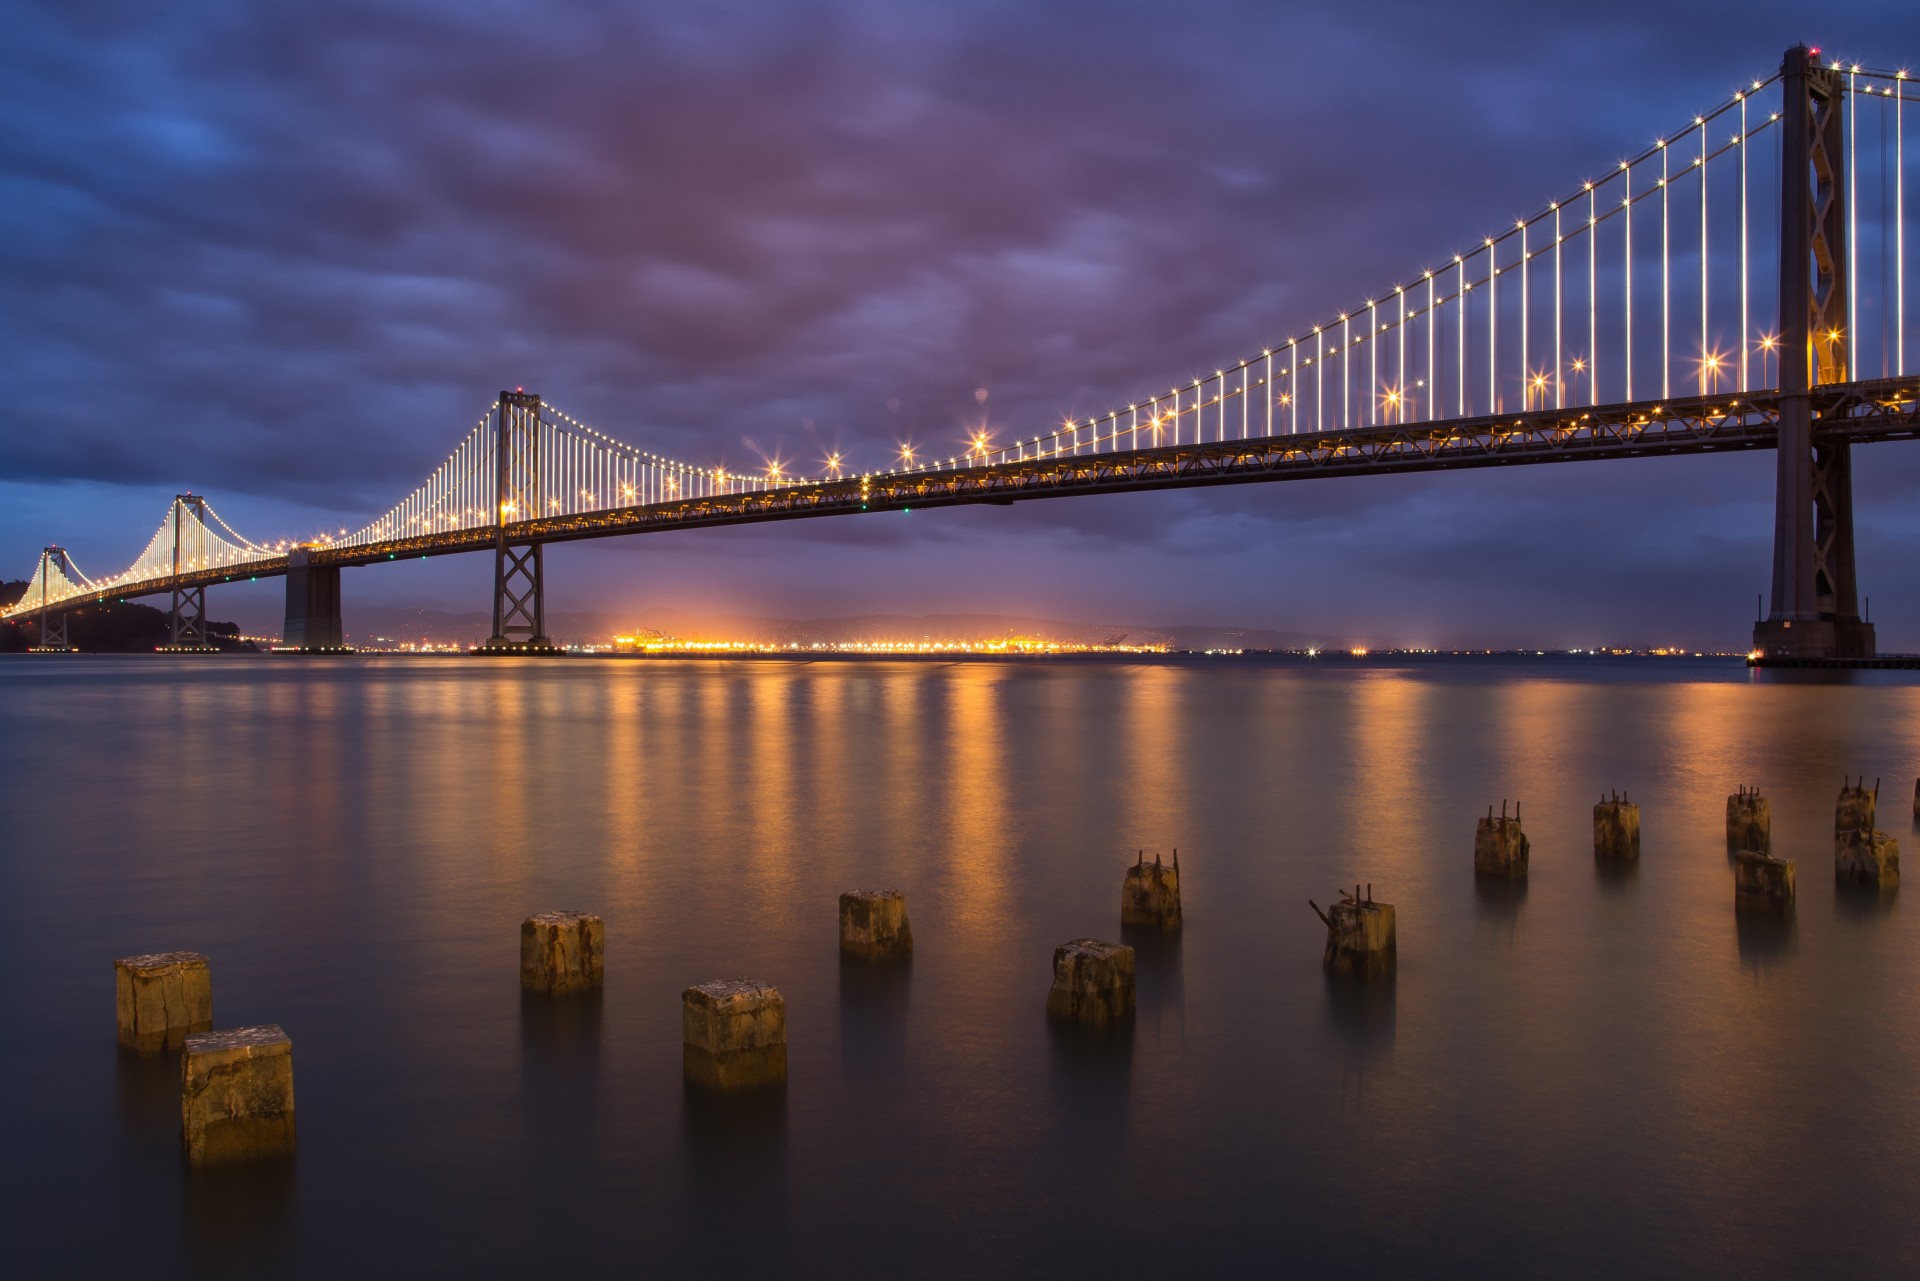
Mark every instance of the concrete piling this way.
pixel 1866 857
pixel 236 1095
pixel 734 1035
pixel 1916 798
pixel 1616 828
pixel 1749 826
pixel 562 952
pixel 1092 983
pixel 874 926
pixel 1499 844
pixel 1150 895
pixel 160 999
pixel 1360 934
pixel 1762 881
pixel 1854 811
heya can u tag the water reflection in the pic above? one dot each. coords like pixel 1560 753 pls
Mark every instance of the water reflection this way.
pixel 147 1097
pixel 1160 994
pixel 402 820
pixel 1616 875
pixel 1766 937
pixel 1497 902
pixel 874 1000
pixel 738 1201
pixel 1091 1080
pixel 1863 904
pixel 1360 1013
pixel 240 1219
pixel 559 1081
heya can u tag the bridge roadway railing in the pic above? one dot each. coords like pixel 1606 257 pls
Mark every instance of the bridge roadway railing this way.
pixel 1861 413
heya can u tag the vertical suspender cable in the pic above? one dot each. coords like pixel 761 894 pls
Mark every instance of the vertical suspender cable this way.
pixel 1559 378
pixel 1433 377
pixel 1493 329
pixel 1460 298
pixel 1703 261
pixel 1745 334
pixel 1628 258
pixel 1593 302
pixel 1666 274
pixel 1526 319
pixel 1853 235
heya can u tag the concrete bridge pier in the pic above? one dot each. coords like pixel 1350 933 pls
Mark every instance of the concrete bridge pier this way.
pixel 313 608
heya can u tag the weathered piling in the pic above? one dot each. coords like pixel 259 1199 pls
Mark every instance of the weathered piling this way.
pixel 1749 825
pixel 1854 811
pixel 1616 828
pixel 874 925
pixel 236 1095
pixel 1866 857
pixel 562 952
pixel 160 999
pixel 1762 881
pixel 1499 844
pixel 1916 798
pixel 1150 895
pixel 734 1035
pixel 1360 934
pixel 1092 982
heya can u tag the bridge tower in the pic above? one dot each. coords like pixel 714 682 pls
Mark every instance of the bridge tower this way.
pixel 1815 610
pixel 52 637
pixel 519 596
pixel 189 613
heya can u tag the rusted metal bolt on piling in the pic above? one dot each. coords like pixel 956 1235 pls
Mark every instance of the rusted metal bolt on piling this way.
pixel 1616 829
pixel 1862 855
pixel 1150 895
pixel 1749 825
pixel 1500 845
pixel 1360 934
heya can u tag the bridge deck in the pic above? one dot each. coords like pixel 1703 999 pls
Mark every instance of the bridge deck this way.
pixel 1887 409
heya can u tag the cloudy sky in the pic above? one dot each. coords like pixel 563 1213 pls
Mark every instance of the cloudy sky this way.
pixel 285 254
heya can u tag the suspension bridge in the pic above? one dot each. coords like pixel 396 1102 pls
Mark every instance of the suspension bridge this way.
pixel 1738 284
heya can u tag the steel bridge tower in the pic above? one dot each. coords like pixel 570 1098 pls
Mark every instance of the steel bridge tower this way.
pixel 189 613
pixel 519 595
pixel 52 635
pixel 1815 610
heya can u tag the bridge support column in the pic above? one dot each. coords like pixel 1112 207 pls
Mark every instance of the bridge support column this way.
pixel 519 592
pixel 189 612
pixel 1815 609
pixel 313 608
pixel 189 618
pixel 52 635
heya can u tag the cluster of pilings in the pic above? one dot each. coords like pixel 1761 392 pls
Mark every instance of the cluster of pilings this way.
pixel 236 1085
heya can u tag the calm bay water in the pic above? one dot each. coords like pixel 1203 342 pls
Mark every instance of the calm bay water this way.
pixel 1595 1075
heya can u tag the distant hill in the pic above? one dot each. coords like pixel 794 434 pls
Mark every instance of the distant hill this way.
pixel 107 629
